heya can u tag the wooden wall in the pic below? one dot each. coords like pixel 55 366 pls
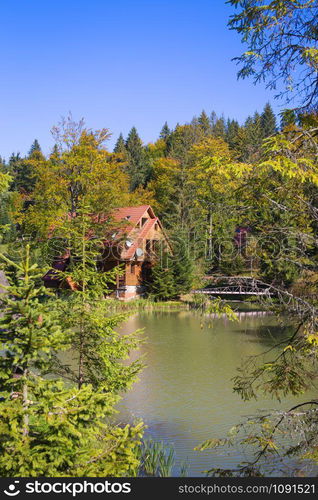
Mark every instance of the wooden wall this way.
pixel 133 273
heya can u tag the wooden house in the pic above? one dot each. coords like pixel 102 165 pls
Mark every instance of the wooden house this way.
pixel 134 247
pixel 134 243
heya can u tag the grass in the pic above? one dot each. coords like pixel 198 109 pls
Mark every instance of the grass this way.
pixel 143 304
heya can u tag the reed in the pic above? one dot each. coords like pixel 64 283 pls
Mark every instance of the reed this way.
pixel 159 460
pixel 144 304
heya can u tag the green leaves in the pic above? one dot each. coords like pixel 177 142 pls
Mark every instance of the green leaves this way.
pixel 210 444
pixel 281 46
pixel 48 426
pixel 98 349
pixel 5 180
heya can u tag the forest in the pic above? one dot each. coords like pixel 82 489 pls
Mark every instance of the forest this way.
pixel 205 179
pixel 188 175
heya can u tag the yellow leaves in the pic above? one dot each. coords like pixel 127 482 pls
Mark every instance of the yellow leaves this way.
pixel 271 445
pixel 166 166
pixel 140 196
pixel 219 308
pixel 292 154
pixel 252 53
pixel 312 338
pixel 4 181
pixel 157 149
pixel 210 444
pixel 220 174
pixel 289 348
pixel 82 171
pixel 268 366
pixel 167 172
pixel 303 169
pixel 210 147
pixel 310 55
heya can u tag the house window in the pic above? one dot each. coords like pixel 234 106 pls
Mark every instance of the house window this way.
pixel 148 246
pixel 156 248
pixel 143 221
pixel 156 227
pixel 133 268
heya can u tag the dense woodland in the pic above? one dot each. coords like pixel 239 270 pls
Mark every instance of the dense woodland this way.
pixel 196 176
pixel 204 179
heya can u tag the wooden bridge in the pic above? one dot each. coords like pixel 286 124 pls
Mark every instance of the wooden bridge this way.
pixel 226 287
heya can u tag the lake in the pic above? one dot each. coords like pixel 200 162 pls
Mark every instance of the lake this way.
pixel 185 394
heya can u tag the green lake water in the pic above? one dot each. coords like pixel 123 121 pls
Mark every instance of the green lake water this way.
pixel 185 394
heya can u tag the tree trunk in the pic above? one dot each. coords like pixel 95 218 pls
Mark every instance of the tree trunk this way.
pixel 25 406
pixel 210 245
pixel 81 365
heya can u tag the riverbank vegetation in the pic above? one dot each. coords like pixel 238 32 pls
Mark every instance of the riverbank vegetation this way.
pixel 281 46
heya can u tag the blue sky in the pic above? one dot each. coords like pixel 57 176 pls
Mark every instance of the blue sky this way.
pixel 117 63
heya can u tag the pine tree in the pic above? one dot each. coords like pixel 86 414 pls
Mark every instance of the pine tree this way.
pixel 232 129
pixel 97 346
pixel 268 121
pixel 182 264
pixel 7 228
pixel 5 178
pixel 219 128
pixel 120 146
pixel 35 147
pixel 288 117
pixel 213 119
pixel 249 139
pixel 55 155
pixel 162 283
pixel 3 166
pixel 48 427
pixel 23 169
pixel 255 130
pixel 138 167
pixel 165 132
pixel 204 123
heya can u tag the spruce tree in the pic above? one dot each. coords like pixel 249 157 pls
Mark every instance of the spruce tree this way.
pixel 232 129
pixel 213 119
pixel 97 347
pixel 49 427
pixel 204 123
pixel 3 166
pixel 250 138
pixel 219 128
pixel 23 169
pixel 165 132
pixel 35 147
pixel 288 117
pixel 162 283
pixel 182 265
pixel 120 146
pixel 256 132
pixel 55 155
pixel 134 145
pixel 268 121
pixel 138 167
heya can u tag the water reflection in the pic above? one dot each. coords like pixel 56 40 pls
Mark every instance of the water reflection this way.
pixel 185 394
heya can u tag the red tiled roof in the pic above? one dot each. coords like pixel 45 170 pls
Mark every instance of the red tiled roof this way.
pixel 132 231
pixel 133 214
pixel 129 254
